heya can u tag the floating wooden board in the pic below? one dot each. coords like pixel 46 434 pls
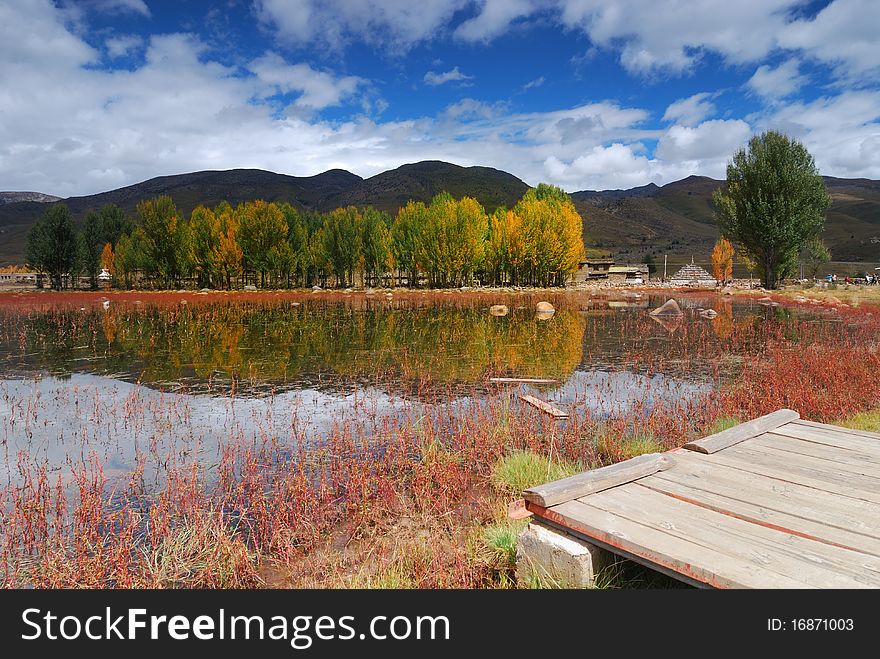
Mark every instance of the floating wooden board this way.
pixel 521 381
pixel 545 407
pixel 596 480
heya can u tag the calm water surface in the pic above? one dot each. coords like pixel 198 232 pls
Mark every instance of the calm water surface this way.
pixel 122 378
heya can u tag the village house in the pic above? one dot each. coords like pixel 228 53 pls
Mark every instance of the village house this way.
pixel 629 273
pixel 592 269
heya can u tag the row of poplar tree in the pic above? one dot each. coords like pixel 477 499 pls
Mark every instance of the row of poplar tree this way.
pixel 448 242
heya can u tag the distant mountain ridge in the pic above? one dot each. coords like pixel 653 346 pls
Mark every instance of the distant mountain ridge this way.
pixel 15 197
pixel 676 218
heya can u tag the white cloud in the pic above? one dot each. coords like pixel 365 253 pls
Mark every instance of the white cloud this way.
pixel 711 143
pixel 842 132
pixel 846 34
pixel 532 84
pixel 123 44
pixel 773 84
pixel 691 110
pixel 469 108
pixel 671 37
pixel 454 75
pixel 398 24
pixel 318 89
pixel 121 6
pixel 614 166
pixel 651 38
pixel 72 128
pixel 494 18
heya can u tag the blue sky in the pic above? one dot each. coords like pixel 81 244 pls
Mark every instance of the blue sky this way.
pixel 587 94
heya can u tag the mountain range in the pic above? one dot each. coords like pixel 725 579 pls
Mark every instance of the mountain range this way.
pixel 675 219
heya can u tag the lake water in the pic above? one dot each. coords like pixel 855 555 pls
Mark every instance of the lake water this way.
pixel 167 377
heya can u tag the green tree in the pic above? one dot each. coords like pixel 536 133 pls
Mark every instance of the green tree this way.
pixel 164 239
pixel 90 242
pixel 51 244
pixel 816 254
pixel 375 244
pixel 406 239
pixel 774 203
pixel 261 229
pixel 131 256
pixel 204 237
pixel 342 242
pixel 114 224
pixel 298 242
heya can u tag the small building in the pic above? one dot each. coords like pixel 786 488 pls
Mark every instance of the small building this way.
pixel 592 269
pixel 629 274
pixel 693 275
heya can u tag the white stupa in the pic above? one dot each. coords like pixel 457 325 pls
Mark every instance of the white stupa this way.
pixel 693 275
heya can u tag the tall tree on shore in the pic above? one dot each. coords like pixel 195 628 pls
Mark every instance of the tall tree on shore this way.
pixel 163 239
pixel 132 256
pixel 114 224
pixel 774 203
pixel 227 255
pixel 406 238
pixel 342 242
pixel 108 259
pixel 261 229
pixel 51 244
pixel 722 260
pixel 204 236
pixel 552 235
pixel 817 254
pixel 89 244
pixel 375 244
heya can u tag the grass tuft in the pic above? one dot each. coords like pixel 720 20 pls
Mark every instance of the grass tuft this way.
pixel 203 554
pixel 723 423
pixel 523 469
pixel 869 421
pixel 614 449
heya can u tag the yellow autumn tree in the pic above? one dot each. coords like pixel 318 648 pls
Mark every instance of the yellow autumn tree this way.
pixel 552 235
pixel 108 259
pixel 227 256
pixel 722 260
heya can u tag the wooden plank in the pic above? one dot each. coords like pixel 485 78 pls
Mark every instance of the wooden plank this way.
pixel 775 467
pixel 656 547
pixel 819 564
pixel 817 450
pixel 828 426
pixel 831 437
pixel 545 407
pixel 766 516
pixel 794 462
pixel 596 480
pixel 742 432
pixel 796 455
pixel 819 504
pixel 521 381
pixel 763 501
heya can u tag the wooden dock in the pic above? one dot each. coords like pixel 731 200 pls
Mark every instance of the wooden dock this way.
pixel 778 502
